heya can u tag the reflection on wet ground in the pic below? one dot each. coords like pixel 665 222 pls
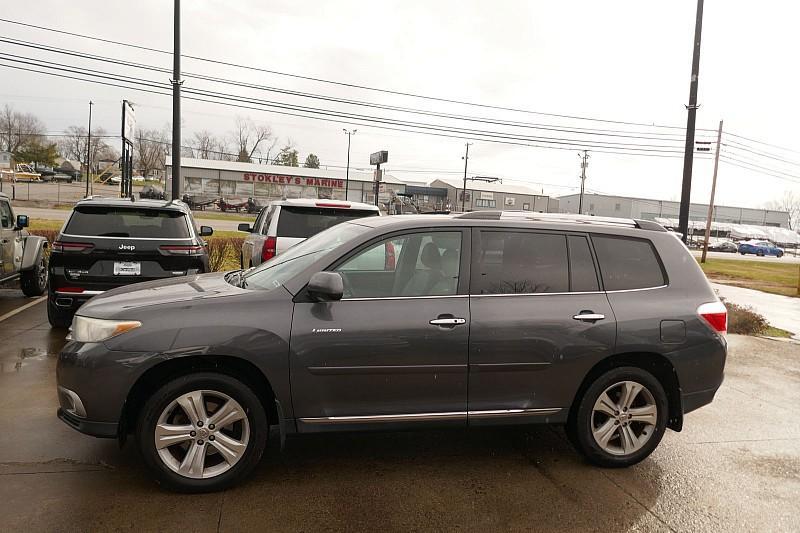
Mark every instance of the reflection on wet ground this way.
pixel 736 466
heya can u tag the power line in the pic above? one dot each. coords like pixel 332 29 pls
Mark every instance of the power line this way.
pixel 486 120
pixel 489 136
pixel 342 84
pixel 761 142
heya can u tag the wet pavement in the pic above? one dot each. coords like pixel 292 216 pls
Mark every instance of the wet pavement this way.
pixel 735 467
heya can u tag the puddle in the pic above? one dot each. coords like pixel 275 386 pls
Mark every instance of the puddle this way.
pixel 22 360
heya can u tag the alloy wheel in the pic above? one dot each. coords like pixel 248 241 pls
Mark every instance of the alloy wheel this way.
pixel 202 434
pixel 624 418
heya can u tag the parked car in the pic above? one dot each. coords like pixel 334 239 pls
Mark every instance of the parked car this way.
pixel 60 176
pixel 284 223
pixel 111 242
pixel 760 248
pixel 723 246
pixel 22 255
pixel 482 318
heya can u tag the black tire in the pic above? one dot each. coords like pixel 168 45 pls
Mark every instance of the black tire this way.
pixel 58 318
pixel 581 422
pixel 206 381
pixel 34 281
pixel 780 254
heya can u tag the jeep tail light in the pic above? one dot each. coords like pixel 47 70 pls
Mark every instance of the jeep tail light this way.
pixel 716 315
pixel 270 249
pixel 181 249
pixel 62 246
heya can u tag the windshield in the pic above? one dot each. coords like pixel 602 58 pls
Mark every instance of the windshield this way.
pixel 302 222
pixel 129 222
pixel 279 270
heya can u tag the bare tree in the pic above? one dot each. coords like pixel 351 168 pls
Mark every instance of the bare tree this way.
pixel 248 136
pixel 790 203
pixel 150 150
pixel 206 145
pixel 73 145
pixel 18 129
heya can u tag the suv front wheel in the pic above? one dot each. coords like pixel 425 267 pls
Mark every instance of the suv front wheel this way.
pixel 202 432
pixel 621 418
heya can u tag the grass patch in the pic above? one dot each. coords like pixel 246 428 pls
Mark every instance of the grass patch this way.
pixel 210 215
pixel 777 332
pixel 38 224
pixel 767 276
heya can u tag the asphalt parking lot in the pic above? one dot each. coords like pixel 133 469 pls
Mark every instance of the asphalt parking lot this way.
pixel 735 467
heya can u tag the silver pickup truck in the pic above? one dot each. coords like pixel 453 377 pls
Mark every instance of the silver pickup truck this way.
pixel 22 255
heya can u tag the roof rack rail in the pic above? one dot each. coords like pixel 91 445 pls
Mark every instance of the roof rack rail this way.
pixel 560 217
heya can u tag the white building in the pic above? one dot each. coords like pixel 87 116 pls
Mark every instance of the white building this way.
pixel 206 178
pixel 5 160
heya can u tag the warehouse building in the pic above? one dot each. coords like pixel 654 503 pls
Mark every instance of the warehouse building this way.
pixel 481 196
pixel 209 179
pixel 647 209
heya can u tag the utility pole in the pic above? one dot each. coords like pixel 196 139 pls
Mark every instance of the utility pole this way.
pixel 584 164
pixel 89 149
pixel 464 192
pixel 713 191
pixel 688 154
pixel 347 176
pixel 176 103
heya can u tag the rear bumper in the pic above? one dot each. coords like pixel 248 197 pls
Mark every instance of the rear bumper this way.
pixel 103 430
pixel 696 400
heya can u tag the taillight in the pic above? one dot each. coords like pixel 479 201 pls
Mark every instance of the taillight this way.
pixel 181 249
pixel 391 259
pixel 76 290
pixel 332 204
pixel 61 246
pixel 270 249
pixel 716 315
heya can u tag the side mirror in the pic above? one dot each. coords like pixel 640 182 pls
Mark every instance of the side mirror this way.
pixel 245 227
pixel 326 286
pixel 206 231
pixel 22 221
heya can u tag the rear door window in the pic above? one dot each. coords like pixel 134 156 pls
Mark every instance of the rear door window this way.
pixel 520 263
pixel 628 263
pixel 303 222
pixel 113 221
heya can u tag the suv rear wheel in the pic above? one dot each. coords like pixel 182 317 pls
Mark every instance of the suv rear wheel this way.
pixel 621 418
pixel 202 432
pixel 34 281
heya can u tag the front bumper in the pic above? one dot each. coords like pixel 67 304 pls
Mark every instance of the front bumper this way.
pixel 93 386
pixel 104 430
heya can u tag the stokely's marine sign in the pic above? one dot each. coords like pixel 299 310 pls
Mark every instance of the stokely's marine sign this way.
pixel 294 180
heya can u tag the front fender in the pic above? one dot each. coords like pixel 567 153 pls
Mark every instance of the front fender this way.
pixel 32 251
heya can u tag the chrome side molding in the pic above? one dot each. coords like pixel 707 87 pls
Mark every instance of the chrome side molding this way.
pixel 428 417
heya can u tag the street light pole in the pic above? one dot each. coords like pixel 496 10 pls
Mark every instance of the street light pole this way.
pixel 347 175
pixel 176 103
pixel 89 149
pixel 688 155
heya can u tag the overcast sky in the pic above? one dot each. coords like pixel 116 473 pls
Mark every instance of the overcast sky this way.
pixel 623 60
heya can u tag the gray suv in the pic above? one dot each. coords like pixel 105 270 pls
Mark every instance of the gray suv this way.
pixel 605 326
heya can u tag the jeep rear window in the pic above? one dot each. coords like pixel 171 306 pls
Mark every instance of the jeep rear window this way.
pixel 627 263
pixel 303 222
pixel 114 221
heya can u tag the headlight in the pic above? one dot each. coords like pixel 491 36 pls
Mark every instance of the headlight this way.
pixel 85 329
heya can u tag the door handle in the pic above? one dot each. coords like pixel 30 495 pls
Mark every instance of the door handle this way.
pixel 589 317
pixel 448 321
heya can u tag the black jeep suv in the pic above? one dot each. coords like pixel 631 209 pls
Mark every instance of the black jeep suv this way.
pixel 110 242
pixel 606 326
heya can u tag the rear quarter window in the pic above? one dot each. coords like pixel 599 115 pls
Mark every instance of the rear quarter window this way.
pixel 628 263
pixel 303 222
pixel 112 221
